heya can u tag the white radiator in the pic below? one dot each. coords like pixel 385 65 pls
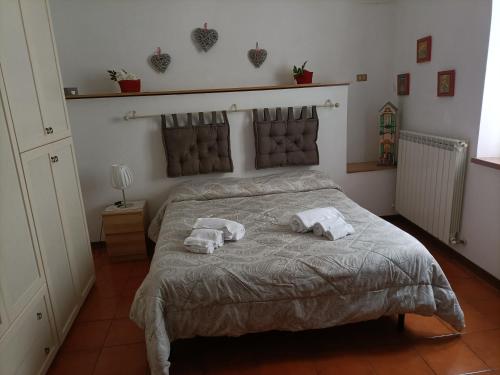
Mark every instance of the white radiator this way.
pixel 430 183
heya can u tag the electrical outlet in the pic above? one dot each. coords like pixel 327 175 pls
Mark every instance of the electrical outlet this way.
pixel 362 77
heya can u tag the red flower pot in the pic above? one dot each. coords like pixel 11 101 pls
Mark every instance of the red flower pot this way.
pixel 130 85
pixel 306 77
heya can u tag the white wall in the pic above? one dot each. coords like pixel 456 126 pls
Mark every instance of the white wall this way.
pixel 460 31
pixel 102 138
pixel 339 38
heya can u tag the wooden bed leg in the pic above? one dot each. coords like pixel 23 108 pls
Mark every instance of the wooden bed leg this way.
pixel 401 322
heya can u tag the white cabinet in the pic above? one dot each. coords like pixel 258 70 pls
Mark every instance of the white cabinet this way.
pixel 71 210
pixel 45 65
pixel 29 344
pixel 31 73
pixel 53 187
pixel 38 171
pixel 18 75
pixel 20 274
pixel 46 267
pixel 4 322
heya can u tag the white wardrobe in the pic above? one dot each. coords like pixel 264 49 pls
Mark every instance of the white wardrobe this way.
pixel 46 267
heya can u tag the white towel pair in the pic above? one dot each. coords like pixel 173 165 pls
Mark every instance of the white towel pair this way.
pixel 304 221
pixel 209 233
pixel 333 229
pixel 232 230
pixel 204 241
pixel 326 221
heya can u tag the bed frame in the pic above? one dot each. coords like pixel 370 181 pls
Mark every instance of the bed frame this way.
pixel 401 322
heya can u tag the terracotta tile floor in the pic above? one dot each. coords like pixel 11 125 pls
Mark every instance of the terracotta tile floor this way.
pixel 104 341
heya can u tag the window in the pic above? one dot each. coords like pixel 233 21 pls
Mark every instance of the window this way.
pixel 489 132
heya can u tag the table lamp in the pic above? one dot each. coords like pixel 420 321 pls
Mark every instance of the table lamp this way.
pixel 121 178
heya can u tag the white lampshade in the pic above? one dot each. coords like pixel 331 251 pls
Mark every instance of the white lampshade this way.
pixel 121 176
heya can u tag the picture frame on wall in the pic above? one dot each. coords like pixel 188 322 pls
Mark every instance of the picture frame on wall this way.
pixel 424 49
pixel 446 83
pixel 404 84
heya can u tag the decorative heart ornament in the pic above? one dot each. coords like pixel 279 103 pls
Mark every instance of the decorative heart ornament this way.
pixel 257 55
pixel 160 61
pixel 205 38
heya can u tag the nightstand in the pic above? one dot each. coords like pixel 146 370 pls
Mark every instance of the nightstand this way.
pixel 124 229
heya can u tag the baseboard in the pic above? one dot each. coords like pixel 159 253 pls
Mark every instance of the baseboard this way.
pixel 452 253
pixel 98 245
pixel 101 246
pixel 472 266
pixel 393 216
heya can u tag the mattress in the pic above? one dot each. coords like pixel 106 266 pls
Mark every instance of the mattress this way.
pixel 275 279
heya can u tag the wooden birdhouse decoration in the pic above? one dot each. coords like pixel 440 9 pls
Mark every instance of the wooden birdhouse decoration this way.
pixel 388 133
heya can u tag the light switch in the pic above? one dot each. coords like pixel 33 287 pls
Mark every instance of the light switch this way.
pixel 362 77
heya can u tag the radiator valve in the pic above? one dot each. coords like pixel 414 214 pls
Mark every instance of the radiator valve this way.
pixel 454 240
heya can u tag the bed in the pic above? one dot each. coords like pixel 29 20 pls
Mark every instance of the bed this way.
pixel 275 279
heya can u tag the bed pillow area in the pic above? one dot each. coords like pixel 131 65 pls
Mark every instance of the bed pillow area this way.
pixel 231 187
pixel 200 149
pixel 282 142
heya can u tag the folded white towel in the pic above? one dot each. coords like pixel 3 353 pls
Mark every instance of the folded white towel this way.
pixel 232 230
pixel 333 229
pixel 215 235
pixel 198 245
pixel 303 221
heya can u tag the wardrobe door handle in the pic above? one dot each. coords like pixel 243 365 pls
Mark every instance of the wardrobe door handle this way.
pixel 46 350
pixel 39 316
pixel 49 130
pixel 54 159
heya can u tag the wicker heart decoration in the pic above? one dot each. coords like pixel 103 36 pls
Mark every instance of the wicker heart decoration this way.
pixel 205 38
pixel 257 56
pixel 160 61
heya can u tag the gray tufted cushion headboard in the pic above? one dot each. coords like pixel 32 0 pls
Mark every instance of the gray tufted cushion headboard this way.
pixel 200 149
pixel 286 142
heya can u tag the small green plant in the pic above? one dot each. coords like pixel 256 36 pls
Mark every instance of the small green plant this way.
pixel 121 75
pixel 112 75
pixel 299 71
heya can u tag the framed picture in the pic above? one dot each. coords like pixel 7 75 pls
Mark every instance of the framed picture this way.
pixel 446 83
pixel 404 84
pixel 424 49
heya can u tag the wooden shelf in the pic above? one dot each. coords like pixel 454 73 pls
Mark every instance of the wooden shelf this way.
pixel 487 162
pixel 201 91
pixel 367 166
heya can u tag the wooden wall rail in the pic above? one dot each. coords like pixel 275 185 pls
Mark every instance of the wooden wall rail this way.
pixel 200 91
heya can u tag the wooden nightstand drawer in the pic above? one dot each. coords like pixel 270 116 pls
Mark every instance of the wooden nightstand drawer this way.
pixel 124 229
pixel 123 223
pixel 126 244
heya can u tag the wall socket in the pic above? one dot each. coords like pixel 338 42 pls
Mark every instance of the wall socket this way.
pixel 362 77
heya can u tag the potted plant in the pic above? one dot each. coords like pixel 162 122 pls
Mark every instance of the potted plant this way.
pixel 301 75
pixel 128 82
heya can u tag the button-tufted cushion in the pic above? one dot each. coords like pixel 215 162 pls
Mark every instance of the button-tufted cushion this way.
pixel 282 142
pixel 200 149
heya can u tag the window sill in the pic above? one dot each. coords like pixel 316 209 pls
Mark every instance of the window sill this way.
pixel 487 162
pixel 367 166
